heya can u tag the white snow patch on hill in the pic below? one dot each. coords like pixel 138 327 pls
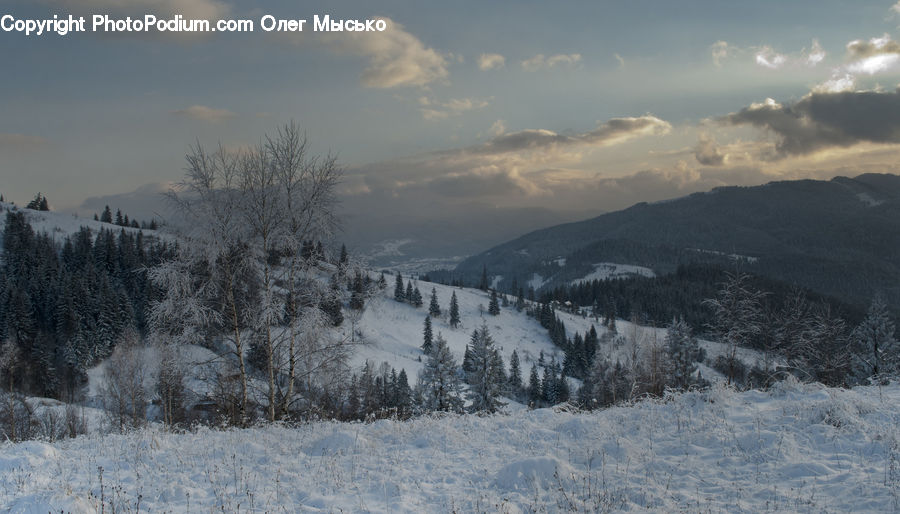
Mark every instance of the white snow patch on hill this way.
pixel 798 448
pixel 867 199
pixel 608 270
pixel 391 331
pixel 59 225
pixel 536 282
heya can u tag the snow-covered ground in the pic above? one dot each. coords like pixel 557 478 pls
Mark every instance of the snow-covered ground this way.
pixel 608 270
pixel 392 331
pixel 59 225
pixel 798 448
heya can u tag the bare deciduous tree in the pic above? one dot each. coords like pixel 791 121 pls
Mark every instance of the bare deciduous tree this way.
pixel 123 390
pixel 241 273
pixel 738 316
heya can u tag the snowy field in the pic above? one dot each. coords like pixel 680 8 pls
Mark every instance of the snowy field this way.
pixel 795 449
pixel 608 270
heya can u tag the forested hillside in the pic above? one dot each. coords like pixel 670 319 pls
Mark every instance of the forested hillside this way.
pixel 837 237
pixel 66 303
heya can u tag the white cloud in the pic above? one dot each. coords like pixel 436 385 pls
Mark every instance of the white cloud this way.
pixel 433 111
pixel 769 58
pixel 204 113
pixel 719 51
pixel 837 84
pixel 396 57
pixel 491 61
pixel 620 59
pixel 498 128
pixel 876 55
pixel 539 61
pixel 815 54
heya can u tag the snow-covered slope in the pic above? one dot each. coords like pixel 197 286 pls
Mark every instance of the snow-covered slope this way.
pixel 392 330
pixel 795 449
pixel 60 225
pixel 608 270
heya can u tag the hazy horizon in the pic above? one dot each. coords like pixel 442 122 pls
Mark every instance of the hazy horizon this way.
pixel 587 108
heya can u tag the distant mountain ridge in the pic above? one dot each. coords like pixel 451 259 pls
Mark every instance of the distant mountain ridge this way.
pixel 839 237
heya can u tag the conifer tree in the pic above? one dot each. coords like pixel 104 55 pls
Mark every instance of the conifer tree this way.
pixel 454 311
pixel 548 386
pixel 486 377
pixel 684 351
pixel 877 350
pixel 416 297
pixel 440 380
pixel 483 285
pixel 434 309
pixel 106 217
pixel 534 387
pixel 427 336
pixel 343 259
pixel 358 294
pixel 494 305
pixel 515 374
pixel 399 293
pixel 402 395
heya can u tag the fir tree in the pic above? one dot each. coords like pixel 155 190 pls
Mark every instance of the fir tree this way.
pixel 563 392
pixel 331 304
pixel 468 364
pixel 106 217
pixel 358 294
pixel 416 297
pixel 427 336
pixel 494 305
pixel 440 380
pixel 39 203
pixel 534 387
pixel 408 294
pixel 343 259
pixel 354 406
pixel 402 395
pixel 382 282
pixel 434 309
pixel 399 294
pixel 454 311
pixel 684 351
pixel 487 373
pixel 549 391
pixel 515 374
pixel 483 285
pixel 878 352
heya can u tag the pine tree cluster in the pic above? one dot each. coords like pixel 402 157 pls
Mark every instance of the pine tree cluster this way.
pixel 66 306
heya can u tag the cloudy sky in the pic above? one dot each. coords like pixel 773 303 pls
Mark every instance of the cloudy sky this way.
pixel 566 106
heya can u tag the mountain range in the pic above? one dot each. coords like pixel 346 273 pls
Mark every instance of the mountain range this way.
pixel 839 237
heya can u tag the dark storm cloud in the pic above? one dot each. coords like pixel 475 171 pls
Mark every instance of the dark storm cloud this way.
pixel 822 120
